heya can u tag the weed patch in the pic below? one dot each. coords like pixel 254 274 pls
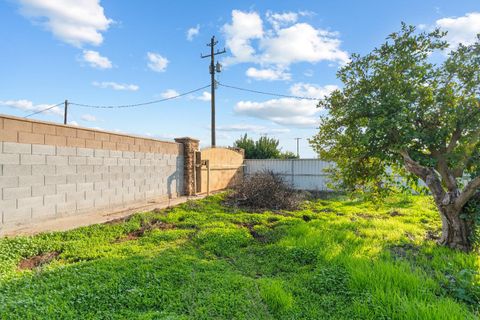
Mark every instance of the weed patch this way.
pixel 404 251
pixel 461 286
pixel 275 296
pixel 146 226
pixel 223 241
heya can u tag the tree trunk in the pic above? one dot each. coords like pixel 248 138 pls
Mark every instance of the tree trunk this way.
pixel 455 230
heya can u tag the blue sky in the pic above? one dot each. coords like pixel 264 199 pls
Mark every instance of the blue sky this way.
pixel 122 52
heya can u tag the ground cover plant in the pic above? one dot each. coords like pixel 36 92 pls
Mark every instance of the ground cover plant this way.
pixel 334 258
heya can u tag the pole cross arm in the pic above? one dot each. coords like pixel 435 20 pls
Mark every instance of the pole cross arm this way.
pixel 216 53
pixel 220 52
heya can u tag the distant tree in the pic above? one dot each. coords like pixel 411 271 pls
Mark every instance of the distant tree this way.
pixel 263 148
pixel 288 155
pixel 247 144
pixel 401 110
pixel 267 148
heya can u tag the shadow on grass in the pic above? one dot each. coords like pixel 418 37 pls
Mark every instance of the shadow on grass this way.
pixel 456 273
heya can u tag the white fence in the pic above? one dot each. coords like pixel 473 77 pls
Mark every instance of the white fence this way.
pixel 303 174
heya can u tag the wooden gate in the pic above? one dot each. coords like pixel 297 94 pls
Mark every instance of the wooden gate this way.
pixel 218 169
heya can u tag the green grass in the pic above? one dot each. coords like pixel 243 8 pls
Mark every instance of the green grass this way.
pixel 334 259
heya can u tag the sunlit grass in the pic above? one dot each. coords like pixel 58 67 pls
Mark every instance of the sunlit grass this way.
pixel 333 259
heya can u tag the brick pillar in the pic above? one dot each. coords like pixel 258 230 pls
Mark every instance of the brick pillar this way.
pixel 190 146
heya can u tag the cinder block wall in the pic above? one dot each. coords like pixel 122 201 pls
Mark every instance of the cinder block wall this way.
pixel 226 169
pixel 49 170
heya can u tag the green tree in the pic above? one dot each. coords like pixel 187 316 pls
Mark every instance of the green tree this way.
pixel 398 109
pixel 247 144
pixel 263 148
pixel 267 148
pixel 288 155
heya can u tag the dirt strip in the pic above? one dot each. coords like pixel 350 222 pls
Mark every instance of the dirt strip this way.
pixel 71 222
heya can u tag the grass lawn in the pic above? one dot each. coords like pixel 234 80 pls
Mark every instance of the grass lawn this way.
pixel 334 259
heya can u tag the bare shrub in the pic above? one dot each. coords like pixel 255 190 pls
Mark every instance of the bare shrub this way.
pixel 265 190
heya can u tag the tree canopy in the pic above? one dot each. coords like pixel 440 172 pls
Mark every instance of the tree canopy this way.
pixel 263 148
pixel 410 107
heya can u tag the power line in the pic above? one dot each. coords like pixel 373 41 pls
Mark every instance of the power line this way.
pixel 137 104
pixel 170 98
pixel 267 93
pixel 43 110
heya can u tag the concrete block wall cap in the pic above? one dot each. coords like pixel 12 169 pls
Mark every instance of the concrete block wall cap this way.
pixel 239 150
pixel 61 125
pixel 186 138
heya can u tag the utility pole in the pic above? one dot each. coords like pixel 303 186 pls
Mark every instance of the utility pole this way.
pixel 65 112
pixel 213 68
pixel 298 149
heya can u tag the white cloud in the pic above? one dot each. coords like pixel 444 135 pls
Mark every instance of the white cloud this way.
pixel 302 43
pixel 96 60
pixel 73 123
pixel 284 111
pixel 193 32
pixel 280 19
pixel 308 73
pixel 462 29
pixel 169 93
pixel 89 118
pixel 27 105
pixel 116 86
pixel 245 27
pixel 422 26
pixel 156 62
pixel 251 128
pixel 287 42
pixel 268 74
pixel 72 21
pixel 18 104
pixel 288 111
pixel 311 90
pixel 206 96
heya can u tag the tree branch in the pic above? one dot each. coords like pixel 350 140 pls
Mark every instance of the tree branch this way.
pixel 457 134
pixel 428 175
pixel 447 175
pixel 468 192
pixel 457 172
pixel 413 166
